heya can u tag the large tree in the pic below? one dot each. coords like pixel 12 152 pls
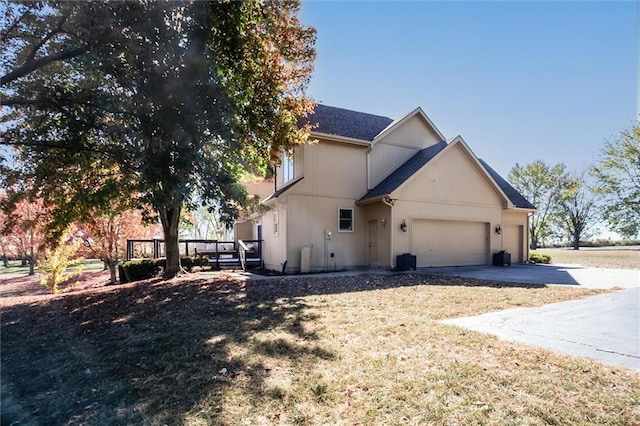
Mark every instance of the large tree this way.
pixel 167 102
pixel 617 176
pixel 577 210
pixel 541 184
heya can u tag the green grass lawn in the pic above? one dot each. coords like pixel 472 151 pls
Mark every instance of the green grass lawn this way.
pixel 366 350
pixel 15 268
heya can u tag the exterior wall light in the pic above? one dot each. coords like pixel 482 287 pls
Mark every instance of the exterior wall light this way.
pixel 403 226
pixel 498 229
pixel 384 222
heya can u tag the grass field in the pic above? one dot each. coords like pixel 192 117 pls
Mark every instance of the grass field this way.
pixel 15 268
pixel 366 350
pixel 601 258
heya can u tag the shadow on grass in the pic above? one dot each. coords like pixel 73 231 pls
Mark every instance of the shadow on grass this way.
pixel 301 286
pixel 147 353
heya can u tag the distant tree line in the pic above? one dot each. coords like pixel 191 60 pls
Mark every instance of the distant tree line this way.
pixel 572 205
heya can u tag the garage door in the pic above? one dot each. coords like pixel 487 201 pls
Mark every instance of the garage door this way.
pixel 449 243
pixel 512 241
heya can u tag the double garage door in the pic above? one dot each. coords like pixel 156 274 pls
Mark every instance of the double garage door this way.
pixel 450 243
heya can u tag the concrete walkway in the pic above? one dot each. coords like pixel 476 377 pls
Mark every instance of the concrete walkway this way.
pixel 546 274
pixel 605 327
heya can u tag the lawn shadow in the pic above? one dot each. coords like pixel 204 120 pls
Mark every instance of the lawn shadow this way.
pixel 301 286
pixel 149 353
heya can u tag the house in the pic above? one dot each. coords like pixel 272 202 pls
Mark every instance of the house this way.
pixel 373 188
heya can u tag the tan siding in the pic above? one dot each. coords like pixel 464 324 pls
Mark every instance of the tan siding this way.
pixel 274 247
pixel 310 218
pixel 333 170
pixel 384 159
pixel 512 242
pixel 452 178
pixel 414 133
pixel 397 147
pixel 515 234
pixel 243 230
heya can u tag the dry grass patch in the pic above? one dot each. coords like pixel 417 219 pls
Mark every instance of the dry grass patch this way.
pixel 606 258
pixel 350 350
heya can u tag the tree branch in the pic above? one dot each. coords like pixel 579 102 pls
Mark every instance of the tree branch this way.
pixel 33 65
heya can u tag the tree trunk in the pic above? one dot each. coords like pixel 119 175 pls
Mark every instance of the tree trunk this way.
pixel 576 241
pixel 170 217
pixel 111 265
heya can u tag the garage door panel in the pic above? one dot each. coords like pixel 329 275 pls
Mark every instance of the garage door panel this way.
pixel 449 243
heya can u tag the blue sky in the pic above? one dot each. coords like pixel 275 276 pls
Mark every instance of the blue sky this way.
pixel 517 80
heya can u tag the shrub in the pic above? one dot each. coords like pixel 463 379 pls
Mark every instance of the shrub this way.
pixel 142 269
pixel 189 263
pixel 539 258
pixel 122 275
pixel 53 265
pixel 136 270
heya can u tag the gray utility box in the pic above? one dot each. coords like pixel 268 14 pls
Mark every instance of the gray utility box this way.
pixel 406 262
pixel 502 258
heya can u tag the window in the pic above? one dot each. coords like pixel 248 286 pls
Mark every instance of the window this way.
pixel 287 167
pixel 345 220
pixel 275 223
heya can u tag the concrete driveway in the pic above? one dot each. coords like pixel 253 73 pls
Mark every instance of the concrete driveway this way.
pixel 546 274
pixel 605 327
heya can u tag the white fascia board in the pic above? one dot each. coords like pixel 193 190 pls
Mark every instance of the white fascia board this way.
pixel 342 139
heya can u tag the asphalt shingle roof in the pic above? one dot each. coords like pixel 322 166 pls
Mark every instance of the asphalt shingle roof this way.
pixel 405 171
pixel 347 123
pixel 516 198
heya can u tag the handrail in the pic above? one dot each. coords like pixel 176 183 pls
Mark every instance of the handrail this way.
pixel 242 254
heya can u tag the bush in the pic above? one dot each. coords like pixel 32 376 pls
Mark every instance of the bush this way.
pixel 122 275
pixel 539 258
pixel 189 263
pixel 136 270
pixel 143 269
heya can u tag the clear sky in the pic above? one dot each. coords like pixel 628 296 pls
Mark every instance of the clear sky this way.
pixel 517 80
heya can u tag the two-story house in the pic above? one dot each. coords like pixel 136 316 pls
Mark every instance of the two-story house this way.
pixel 373 188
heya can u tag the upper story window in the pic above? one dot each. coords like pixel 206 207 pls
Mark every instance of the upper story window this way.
pixel 287 167
pixel 275 223
pixel 345 220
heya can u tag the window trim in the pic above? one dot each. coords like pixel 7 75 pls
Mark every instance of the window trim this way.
pixel 340 219
pixel 276 223
pixel 288 167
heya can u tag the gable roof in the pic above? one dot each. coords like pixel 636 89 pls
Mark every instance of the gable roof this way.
pixel 421 158
pixel 416 112
pixel 346 123
pixel 405 171
pixel 516 198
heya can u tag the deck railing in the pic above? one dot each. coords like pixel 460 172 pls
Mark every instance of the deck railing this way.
pixel 245 253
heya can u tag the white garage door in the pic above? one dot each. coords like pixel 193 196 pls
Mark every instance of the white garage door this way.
pixel 449 243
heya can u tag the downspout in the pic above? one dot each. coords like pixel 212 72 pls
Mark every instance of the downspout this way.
pixel 368 168
pixel 391 222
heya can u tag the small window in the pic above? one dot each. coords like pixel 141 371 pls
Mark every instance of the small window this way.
pixel 287 167
pixel 345 220
pixel 275 223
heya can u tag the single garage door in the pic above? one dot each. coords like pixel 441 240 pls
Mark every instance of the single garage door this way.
pixel 449 243
pixel 512 241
